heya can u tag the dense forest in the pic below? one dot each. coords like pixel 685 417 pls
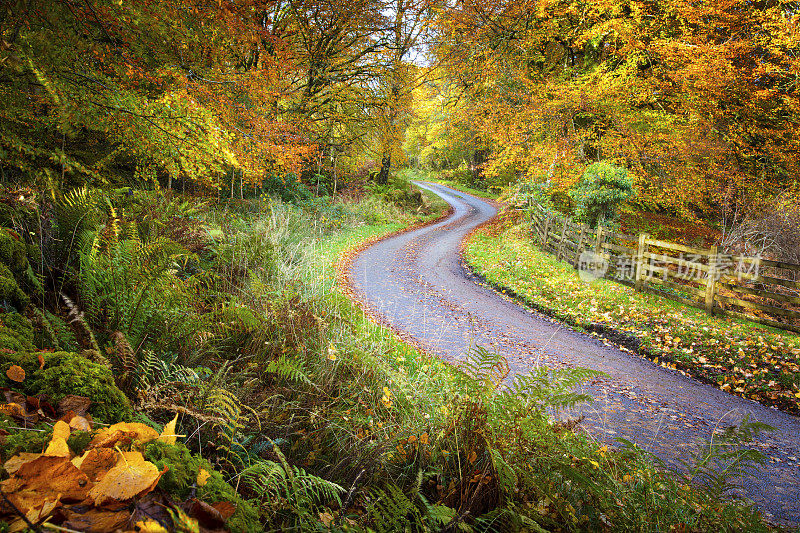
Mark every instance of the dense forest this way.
pixel 182 182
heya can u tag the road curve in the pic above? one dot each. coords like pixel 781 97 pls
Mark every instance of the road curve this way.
pixel 416 283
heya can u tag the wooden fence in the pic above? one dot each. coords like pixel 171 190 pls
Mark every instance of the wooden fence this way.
pixel 751 288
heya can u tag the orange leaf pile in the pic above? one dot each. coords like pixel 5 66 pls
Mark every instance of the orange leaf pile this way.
pixel 106 488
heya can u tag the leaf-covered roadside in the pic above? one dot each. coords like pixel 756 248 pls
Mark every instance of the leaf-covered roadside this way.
pixel 743 358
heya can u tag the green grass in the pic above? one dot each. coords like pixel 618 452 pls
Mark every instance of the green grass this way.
pixel 741 357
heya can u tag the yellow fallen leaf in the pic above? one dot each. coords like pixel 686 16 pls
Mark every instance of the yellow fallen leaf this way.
pixel 57 447
pixel 96 462
pixel 80 423
pixel 13 464
pixel 46 477
pixel 168 434
pixel 36 514
pixel 108 437
pixel 149 526
pixel 131 476
pixel 12 409
pixel 61 429
pixel 202 477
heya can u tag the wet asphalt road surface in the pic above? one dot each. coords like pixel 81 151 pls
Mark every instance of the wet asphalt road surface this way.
pixel 416 282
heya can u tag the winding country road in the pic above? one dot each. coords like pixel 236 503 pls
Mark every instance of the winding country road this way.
pixel 416 282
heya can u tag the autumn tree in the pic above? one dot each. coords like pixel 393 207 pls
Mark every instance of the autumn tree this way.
pixel 95 90
pixel 400 78
pixel 696 99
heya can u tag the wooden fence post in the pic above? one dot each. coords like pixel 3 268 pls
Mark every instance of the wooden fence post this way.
pixel 711 285
pixel 598 245
pixel 579 247
pixel 546 232
pixel 563 236
pixel 640 261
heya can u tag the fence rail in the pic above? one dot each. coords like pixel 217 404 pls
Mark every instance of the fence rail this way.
pixel 753 288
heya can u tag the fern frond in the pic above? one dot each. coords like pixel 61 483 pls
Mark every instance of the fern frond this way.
pixel 291 369
pixel 81 328
pixel 123 360
pixel 486 368
pixel 391 510
pixel 288 488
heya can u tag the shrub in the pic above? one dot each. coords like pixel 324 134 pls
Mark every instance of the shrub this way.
pixel 288 188
pixel 600 191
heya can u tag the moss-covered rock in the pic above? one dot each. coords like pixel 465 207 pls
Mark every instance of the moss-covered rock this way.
pixel 17 280
pixel 13 252
pixel 10 293
pixel 69 373
pixel 33 439
pixel 181 476
pixel 16 333
pixel 61 335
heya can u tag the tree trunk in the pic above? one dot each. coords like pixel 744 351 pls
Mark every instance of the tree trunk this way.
pixel 383 175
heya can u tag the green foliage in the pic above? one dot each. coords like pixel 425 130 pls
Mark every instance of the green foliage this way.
pixel 127 285
pixel 391 510
pixel 69 373
pixel 461 175
pixel 600 191
pixel 17 279
pixel 76 214
pixel 78 441
pixel 11 296
pixel 724 459
pixel 401 192
pixel 288 188
pixel 289 369
pixel 13 253
pixel 64 336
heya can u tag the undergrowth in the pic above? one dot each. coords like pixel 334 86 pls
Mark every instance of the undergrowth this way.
pixel 309 415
